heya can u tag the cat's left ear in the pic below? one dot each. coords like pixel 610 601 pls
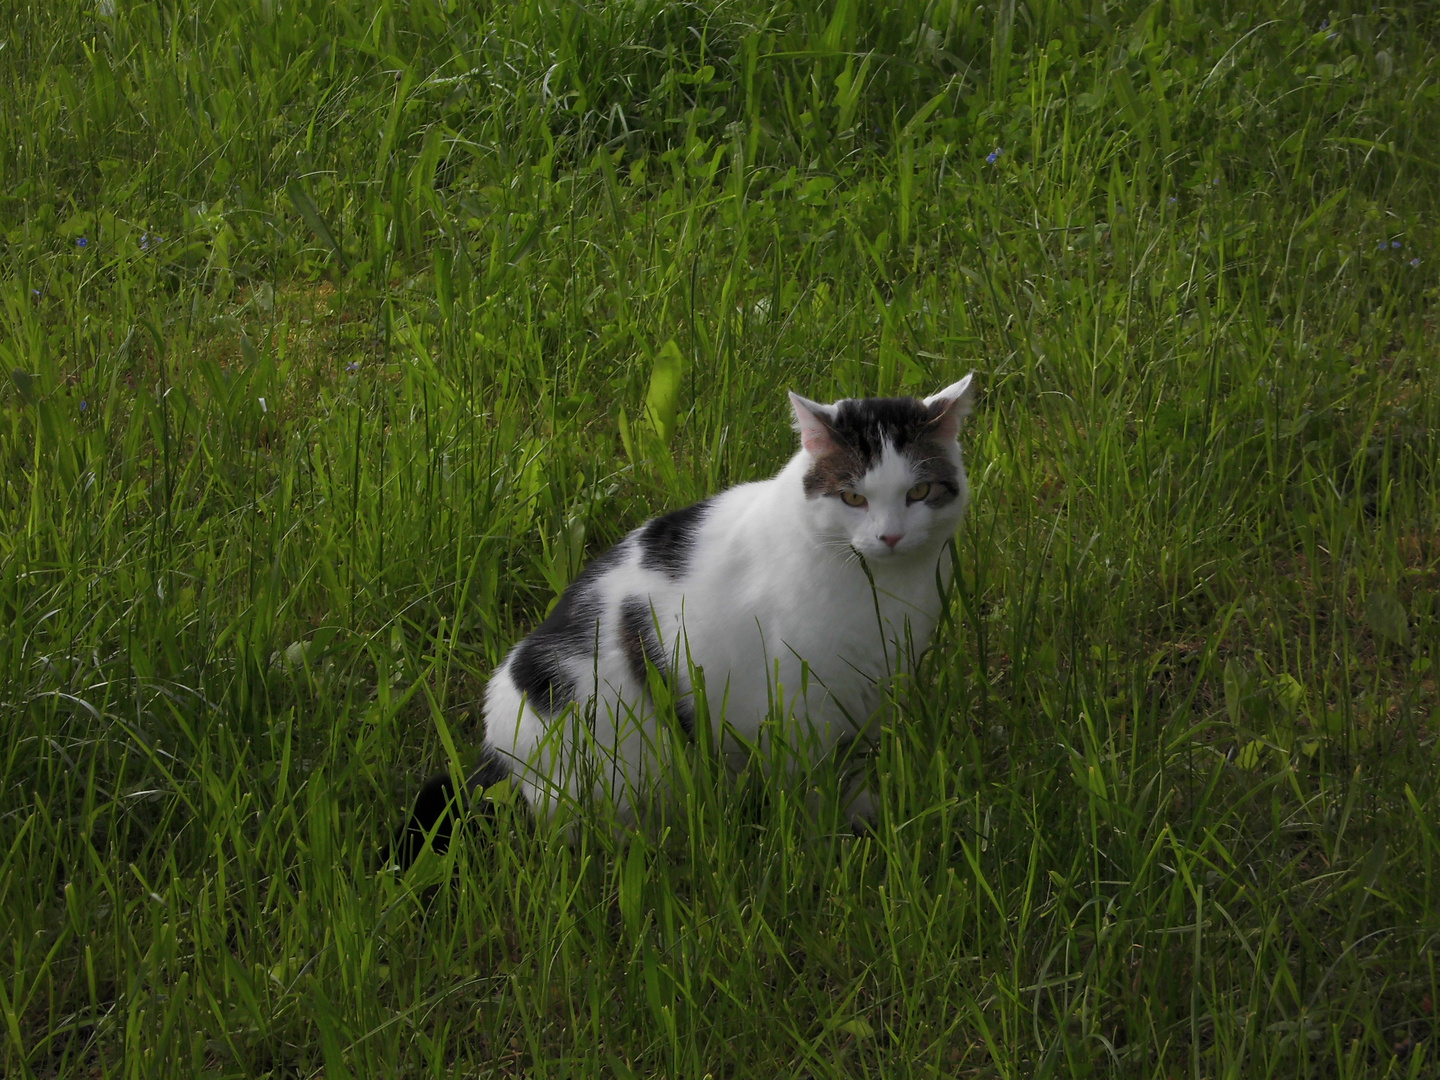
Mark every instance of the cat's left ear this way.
pixel 951 406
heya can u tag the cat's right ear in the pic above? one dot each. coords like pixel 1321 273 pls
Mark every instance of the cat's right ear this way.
pixel 812 421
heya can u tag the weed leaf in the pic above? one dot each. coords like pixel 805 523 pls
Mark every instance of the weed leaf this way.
pixel 663 399
pixel 1386 616
pixel 300 199
pixel 24 386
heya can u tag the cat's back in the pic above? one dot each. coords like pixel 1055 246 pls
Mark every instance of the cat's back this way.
pixel 647 573
pixel 752 580
pixel 726 566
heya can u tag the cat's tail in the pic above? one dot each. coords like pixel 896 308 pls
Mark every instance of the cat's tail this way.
pixel 437 808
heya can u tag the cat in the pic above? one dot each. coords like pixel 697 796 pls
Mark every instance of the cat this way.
pixel 807 590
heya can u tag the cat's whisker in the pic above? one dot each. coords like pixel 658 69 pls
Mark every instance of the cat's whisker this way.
pixel 844 549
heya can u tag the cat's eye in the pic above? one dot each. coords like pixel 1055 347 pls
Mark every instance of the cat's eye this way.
pixel 853 498
pixel 918 492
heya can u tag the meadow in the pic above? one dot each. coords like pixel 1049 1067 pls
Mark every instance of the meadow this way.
pixel 338 335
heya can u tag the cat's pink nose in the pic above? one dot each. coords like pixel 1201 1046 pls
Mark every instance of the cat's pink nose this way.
pixel 893 539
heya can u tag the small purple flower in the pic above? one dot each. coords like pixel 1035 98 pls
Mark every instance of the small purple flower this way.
pixel 82 242
pixel 1382 245
pixel 353 366
pixel 1172 200
pixel 1396 244
pixel 144 241
pixel 1415 262
pixel 1216 182
pixel 84 405
pixel 35 293
pixel 1324 23
pixel 990 157
pixel 1331 37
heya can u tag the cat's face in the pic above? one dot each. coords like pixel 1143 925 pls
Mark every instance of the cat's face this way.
pixel 885 475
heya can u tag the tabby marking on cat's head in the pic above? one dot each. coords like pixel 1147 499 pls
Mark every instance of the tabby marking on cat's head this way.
pixel 885 474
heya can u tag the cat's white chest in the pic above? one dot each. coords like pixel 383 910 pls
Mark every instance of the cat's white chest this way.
pixel 807 632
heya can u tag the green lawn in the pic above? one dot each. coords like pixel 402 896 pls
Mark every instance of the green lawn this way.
pixel 337 335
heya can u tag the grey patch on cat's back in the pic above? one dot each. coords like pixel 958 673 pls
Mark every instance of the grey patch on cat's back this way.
pixel 568 632
pixel 667 541
pixel 642 644
pixel 862 428
pixel 638 637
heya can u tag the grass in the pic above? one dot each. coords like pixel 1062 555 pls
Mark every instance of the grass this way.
pixel 333 328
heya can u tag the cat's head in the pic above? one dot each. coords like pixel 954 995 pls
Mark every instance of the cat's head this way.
pixel 884 474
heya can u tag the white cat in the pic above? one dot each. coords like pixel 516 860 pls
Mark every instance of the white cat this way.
pixel 802 592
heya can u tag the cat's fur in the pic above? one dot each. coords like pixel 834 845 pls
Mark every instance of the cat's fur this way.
pixel 748 585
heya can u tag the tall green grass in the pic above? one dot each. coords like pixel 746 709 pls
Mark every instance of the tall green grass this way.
pixel 386 317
